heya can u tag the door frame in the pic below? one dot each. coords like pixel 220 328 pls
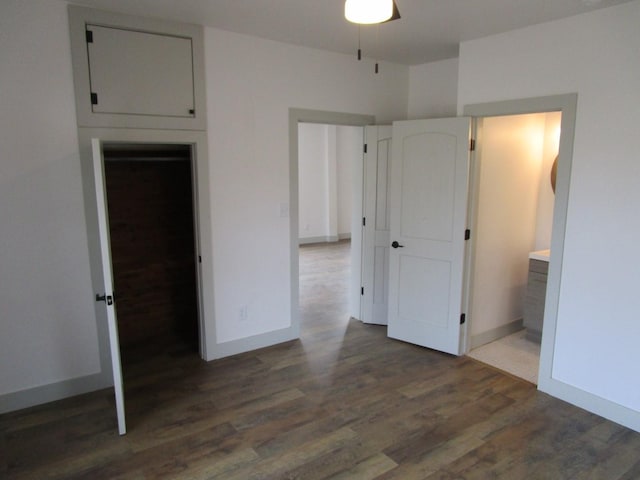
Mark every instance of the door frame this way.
pixel 202 227
pixel 567 105
pixel 296 116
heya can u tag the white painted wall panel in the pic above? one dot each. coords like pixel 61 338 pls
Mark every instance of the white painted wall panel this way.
pixel 349 142
pixel 546 197
pixel 313 180
pixel 433 89
pixel 47 322
pixel 327 156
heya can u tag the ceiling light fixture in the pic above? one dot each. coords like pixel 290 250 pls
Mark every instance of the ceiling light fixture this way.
pixel 368 12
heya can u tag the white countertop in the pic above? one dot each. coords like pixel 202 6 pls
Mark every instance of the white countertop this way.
pixel 540 255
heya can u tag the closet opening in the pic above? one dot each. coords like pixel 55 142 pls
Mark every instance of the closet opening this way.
pixel 152 228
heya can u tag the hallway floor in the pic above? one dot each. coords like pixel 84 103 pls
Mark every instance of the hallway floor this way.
pixel 324 286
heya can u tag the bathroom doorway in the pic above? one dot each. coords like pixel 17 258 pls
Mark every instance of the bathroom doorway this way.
pixel 514 203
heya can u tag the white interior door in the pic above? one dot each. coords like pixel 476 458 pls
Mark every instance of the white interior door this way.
pixel 107 295
pixel 429 188
pixel 375 252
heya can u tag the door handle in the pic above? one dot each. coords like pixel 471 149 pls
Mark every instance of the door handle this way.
pixel 108 299
pixel 395 244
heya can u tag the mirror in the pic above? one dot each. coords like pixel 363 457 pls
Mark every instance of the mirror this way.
pixel 554 171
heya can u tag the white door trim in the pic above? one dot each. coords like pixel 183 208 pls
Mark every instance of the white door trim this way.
pixel 297 115
pixel 567 105
pixel 202 211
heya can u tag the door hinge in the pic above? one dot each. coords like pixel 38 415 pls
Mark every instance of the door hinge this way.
pixel 89 36
pixel 467 234
pixel 94 98
pixel 472 145
pixel 463 318
pixel 199 258
pixel 365 148
pixel 361 290
pixel 364 221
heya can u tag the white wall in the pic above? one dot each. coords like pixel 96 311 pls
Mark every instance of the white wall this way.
pixel 595 55
pixel 327 155
pixel 510 158
pixel 546 197
pixel 349 141
pixel 252 83
pixel 47 322
pixel 313 181
pixel 433 89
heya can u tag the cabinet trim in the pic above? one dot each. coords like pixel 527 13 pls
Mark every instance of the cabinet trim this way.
pixel 80 17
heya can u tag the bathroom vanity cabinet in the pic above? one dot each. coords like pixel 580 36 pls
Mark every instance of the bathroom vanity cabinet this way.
pixel 535 294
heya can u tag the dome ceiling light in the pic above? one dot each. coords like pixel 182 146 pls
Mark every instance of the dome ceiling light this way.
pixel 370 12
pixel 367 12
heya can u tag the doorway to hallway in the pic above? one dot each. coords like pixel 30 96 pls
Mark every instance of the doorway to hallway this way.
pixel 329 172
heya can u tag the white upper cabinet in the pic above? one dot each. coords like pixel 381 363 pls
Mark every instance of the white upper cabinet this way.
pixel 140 73
pixel 136 72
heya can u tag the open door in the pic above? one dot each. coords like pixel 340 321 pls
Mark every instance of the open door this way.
pixel 107 296
pixel 375 245
pixel 429 189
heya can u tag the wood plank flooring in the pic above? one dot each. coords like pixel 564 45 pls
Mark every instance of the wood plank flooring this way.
pixel 344 402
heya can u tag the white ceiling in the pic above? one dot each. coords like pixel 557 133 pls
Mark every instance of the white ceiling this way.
pixel 429 30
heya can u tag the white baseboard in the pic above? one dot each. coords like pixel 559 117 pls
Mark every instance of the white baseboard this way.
pixel 590 402
pixel 495 334
pixel 55 391
pixel 255 342
pixel 324 239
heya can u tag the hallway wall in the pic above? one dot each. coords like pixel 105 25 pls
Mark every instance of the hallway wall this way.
pixel 327 156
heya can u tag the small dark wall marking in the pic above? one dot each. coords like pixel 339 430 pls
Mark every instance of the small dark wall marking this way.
pixel 153 250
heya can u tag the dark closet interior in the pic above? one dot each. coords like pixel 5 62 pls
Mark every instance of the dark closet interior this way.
pixel 151 224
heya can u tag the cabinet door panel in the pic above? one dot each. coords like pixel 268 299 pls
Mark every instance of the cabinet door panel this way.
pixel 140 73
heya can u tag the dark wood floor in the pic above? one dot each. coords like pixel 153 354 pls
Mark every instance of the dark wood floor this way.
pixel 344 402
